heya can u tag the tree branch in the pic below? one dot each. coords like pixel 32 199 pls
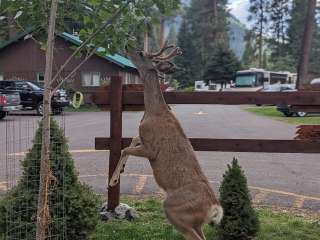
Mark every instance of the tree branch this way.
pixel 62 80
pixel 85 43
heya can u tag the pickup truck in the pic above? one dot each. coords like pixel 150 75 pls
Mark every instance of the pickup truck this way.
pixel 31 96
pixel 288 111
pixel 9 101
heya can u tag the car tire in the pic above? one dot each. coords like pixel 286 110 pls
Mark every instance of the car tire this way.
pixel 301 114
pixel 288 114
pixel 39 108
pixel 2 115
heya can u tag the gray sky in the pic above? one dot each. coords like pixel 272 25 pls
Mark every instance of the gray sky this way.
pixel 239 8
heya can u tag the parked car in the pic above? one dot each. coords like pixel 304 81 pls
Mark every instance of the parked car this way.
pixel 315 81
pixel 9 101
pixel 278 87
pixel 287 110
pixel 31 96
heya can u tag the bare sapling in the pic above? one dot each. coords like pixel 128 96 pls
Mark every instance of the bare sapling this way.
pixel 46 177
pixel 190 202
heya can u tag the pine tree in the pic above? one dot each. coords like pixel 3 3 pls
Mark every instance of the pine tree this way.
pixel 73 206
pixel 265 60
pixel 258 13
pixel 279 15
pixel 296 27
pixel 295 32
pixel 249 58
pixel 222 66
pixel 187 74
pixel 201 31
pixel 209 30
pixel 240 221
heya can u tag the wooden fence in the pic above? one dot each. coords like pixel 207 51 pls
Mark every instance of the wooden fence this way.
pixel 117 100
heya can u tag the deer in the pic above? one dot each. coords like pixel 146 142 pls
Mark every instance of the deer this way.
pixel 190 201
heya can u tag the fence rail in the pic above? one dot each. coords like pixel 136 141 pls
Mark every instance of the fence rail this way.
pixel 118 99
pixel 310 98
pixel 234 145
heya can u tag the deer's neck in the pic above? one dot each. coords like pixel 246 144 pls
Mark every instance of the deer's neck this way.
pixel 153 98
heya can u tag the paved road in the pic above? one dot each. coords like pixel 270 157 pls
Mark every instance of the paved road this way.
pixel 289 180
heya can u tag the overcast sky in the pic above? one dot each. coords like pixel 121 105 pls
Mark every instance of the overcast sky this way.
pixel 239 8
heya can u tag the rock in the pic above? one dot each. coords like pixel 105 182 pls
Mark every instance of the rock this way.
pixel 123 211
pixel 106 216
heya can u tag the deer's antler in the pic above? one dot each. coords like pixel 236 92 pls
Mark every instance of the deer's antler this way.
pixel 170 56
pixel 165 47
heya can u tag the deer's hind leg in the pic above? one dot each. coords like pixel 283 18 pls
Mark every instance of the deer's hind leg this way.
pixel 199 231
pixel 185 228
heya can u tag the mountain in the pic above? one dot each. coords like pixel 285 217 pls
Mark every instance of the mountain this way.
pixel 237 32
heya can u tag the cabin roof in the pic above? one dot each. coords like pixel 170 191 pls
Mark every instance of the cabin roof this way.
pixel 114 58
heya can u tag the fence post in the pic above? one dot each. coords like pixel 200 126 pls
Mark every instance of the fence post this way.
pixel 115 95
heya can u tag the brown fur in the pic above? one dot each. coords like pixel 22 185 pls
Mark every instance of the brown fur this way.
pixel 190 201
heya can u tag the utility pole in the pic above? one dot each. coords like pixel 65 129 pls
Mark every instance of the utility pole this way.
pixel 43 211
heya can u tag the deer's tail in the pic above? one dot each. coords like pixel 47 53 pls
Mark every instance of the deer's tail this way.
pixel 215 214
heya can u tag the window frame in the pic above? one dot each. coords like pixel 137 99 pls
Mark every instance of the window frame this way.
pixel 91 79
pixel 38 77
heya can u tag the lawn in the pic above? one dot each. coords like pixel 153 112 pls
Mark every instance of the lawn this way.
pixel 152 224
pixel 273 113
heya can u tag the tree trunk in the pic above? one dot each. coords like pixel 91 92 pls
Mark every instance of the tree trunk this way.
pixel 43 213
pixel 146 42
pixel 162 42
pixel 303 67
pixel 261 34
pixel 215 9
pixel 162 32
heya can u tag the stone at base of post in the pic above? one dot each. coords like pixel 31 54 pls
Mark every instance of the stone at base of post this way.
pixel 122 211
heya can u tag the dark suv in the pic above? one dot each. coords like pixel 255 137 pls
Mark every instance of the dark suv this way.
pixel 31 96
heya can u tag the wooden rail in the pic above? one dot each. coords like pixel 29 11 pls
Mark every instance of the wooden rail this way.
pixel 117 99
pixel 310 98
pixel 234 145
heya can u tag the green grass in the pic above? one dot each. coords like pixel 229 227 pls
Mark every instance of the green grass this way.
pixel 273 113
pixel 83 108
pixel 152 224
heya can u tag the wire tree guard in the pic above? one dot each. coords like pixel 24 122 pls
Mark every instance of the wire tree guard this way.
pixel 17 144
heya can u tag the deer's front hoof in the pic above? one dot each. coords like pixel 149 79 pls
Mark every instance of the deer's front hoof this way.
pixel 113 182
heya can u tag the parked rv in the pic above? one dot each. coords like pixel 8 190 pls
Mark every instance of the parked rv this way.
pixel 258 79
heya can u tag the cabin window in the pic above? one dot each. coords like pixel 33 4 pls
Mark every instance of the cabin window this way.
pixel 40 77
pixel 131 78
pixel 91 79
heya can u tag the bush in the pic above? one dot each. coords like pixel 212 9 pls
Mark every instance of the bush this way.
pixel 73 205
pixel 240 221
